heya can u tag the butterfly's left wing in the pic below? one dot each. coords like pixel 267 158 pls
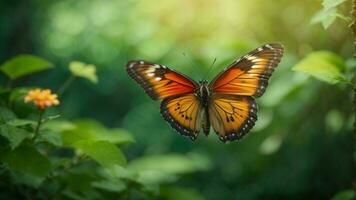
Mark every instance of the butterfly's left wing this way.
pixel 159 81
pixel 249 75
pixel 180 107
pixel 183 114
pixel 232 116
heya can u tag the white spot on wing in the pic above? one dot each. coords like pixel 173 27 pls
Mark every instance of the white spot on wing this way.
pixel 251 57
pixel 158 78
pixel 131 65
pixel 150 74
pixel 150 70
pixel 269 46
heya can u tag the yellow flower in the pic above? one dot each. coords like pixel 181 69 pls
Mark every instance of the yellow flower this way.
pixel 42 98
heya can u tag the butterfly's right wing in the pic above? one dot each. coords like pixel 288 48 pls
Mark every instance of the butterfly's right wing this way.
pixel 183 114
pixel 249 75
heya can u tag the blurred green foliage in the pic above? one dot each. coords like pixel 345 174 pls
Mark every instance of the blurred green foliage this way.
pixel 108 141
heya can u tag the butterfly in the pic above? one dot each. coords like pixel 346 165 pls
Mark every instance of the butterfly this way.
pixel 227 103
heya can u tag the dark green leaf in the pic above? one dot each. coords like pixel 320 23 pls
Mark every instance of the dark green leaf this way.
pixel 323 65
pixel 117 171
pixel 27 179
pixel 13 134
pixel 6 114
pixel 28 160
pixel 345 195
pixel 72 195
pixel 78 179
pixel 24 65
pixel 179 193
pixel 115 185
pixel 18 94
pixel 83 70
pixel 21 122
pixel 50 137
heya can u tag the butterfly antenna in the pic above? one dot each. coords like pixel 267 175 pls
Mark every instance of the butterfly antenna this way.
pixel 210 69
pixel 190 61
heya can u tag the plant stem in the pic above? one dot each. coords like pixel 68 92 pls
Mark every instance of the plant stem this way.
pixel 65 85
pixel 39 122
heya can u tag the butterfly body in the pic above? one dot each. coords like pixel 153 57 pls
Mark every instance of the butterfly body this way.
pixel 204 96
pixel 227 103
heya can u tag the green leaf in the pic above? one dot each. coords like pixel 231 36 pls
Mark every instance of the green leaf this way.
pixel 21 122
pixel 178 193
pixel 6 114
pixel 59 125
pixel 28 160
pixel 92 130
pixel 83 70
pixel 345 195
pixel 24 65
pixel 26 179
pixel 114 185
pixel 328 4
pixel 50 137
pixel 151 177
pixel 78 179
pixel 4 146
pixel 328 14
pixel 82 130
pixel 117 171
pixel 13 134
pixel 171 163
pixel 96 141
pixel 117 136
pixel 325 17
pixel 17 94
pixel 104 152
pixel 323 65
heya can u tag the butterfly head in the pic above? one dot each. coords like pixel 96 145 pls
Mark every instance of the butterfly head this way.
pixel 203 82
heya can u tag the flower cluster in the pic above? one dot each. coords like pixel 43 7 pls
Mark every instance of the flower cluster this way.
pixel 42 98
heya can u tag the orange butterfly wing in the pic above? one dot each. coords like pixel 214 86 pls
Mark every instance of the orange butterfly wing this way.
pixel 180 107
pixel 183 114
pixel 232 108
pixel 249 75
pixel 232 116
pixel 158 81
